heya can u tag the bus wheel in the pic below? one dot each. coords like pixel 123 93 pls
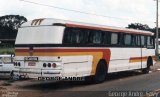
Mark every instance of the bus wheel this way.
pixel 149 63
pixel 101 72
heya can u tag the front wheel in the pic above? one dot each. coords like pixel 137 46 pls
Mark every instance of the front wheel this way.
pixel 146 70
pixel 149 63
pixel 101 72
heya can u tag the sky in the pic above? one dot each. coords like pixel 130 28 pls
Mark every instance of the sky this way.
pixel 117 13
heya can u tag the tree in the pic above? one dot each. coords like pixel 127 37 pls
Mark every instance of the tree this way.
pixel 9 25
pixel 12 21
pixel 139 26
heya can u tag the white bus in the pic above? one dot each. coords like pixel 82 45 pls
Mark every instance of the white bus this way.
pixel 59 48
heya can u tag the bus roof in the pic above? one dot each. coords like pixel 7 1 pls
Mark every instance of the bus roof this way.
pixel 51 22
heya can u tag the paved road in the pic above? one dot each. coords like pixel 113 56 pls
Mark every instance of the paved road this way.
pixel 126 84
pixel 147 82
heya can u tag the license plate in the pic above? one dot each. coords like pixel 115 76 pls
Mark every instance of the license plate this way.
pixel 30 58
pixel 31 63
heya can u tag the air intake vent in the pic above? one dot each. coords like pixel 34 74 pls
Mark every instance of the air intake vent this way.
pixel 58 24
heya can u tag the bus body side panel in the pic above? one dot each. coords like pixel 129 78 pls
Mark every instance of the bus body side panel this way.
pixel 78 66
pixel 122 59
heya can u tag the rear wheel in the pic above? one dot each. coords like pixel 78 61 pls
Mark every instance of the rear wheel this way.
pixel 101 72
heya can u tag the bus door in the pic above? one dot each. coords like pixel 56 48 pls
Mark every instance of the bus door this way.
pixel 136 52
pixel 143 50
pixel 147 49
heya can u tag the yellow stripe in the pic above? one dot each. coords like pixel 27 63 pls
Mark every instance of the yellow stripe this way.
pixel 137 60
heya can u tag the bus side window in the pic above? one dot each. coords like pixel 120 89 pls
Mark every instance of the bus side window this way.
pixel 138 41
pixel 107 38
pixel 114 38
pixel 127 40
pixel 73 36
pixel 134 40
pixel 150 42
pixel 77 35
pixel 67 36
pixel 143 41
pixel 95 37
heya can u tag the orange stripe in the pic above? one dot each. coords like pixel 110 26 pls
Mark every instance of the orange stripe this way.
pixel 140 59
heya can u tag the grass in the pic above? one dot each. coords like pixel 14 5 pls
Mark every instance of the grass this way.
pixel 6 50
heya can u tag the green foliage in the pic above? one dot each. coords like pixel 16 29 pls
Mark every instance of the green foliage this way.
pixel 6 50
pixel 140 26
pixel 12 21
pixel 9 25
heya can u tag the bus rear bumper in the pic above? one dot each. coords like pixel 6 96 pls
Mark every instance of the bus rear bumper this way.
pixel 36 73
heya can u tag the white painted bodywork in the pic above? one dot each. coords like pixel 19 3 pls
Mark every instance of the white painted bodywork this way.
pixel 6 65
pixel 120 58
pixel 67 66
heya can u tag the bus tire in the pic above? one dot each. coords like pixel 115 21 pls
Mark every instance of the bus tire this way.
pixel 149 63
pixel 101 72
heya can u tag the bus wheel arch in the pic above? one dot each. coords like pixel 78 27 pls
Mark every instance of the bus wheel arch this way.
pixel 101 71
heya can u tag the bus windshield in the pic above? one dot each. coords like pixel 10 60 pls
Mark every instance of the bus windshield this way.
pixel 40 35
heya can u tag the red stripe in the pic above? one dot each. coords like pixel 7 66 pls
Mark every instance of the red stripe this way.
pixel 137 58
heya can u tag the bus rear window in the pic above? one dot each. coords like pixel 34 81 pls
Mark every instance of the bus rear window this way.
pixel 40 35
